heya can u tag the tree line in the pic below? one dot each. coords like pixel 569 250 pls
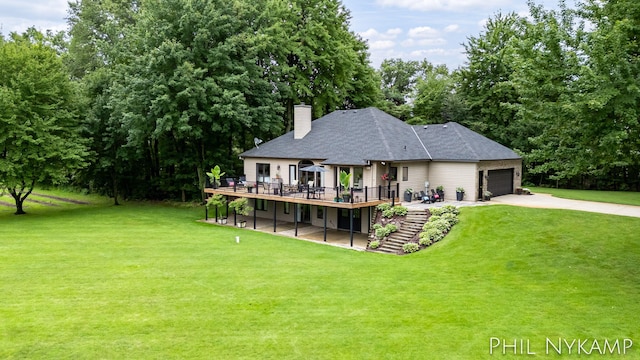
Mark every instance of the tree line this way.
pixel 141 97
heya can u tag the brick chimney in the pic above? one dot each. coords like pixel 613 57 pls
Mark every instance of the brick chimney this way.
pixel 301 120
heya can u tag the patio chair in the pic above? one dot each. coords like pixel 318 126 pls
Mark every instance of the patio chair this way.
pixel 435 196
pixel 425 199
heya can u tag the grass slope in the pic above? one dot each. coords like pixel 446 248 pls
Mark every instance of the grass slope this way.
pixel 148 281
pixel 615 197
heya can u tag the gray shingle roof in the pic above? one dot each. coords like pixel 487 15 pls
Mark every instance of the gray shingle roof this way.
pixel 354 137
pixel 454 142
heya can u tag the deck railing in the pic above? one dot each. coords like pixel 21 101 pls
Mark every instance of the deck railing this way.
pixel 338 194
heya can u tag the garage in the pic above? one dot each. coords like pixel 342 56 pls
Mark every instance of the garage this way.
pixel 500 182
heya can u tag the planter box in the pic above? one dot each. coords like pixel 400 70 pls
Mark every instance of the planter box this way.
pixel 459 195
pixel 407 197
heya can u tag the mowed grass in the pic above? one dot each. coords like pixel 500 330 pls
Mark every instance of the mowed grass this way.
pixel 615 197
pixel 144 281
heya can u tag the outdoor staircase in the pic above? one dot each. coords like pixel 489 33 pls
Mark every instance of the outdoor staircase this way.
pixel 412 226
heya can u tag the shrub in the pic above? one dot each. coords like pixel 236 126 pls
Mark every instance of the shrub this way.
pixel 400 210
pixel 431 235
pixel 376 226
pixel 451 209
pixel 388 213
pixel 383 207
pixel 424 240
pixel 437 211
pixel 410 247
pixel 374 244
pixel 450 217
pixel 440 224
pixel 381 233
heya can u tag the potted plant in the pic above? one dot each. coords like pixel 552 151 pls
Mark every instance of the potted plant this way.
pixel 459 193
pixel 214 176
pixel 440 191
pixel 487 195
pixel 408 194
pixel 241 207
pixel 217 201
pixel 345 181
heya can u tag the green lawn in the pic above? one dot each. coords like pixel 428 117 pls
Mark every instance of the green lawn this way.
pixel 147 281
pixel 615 197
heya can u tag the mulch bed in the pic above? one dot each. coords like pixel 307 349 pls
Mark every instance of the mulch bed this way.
pixel 79 202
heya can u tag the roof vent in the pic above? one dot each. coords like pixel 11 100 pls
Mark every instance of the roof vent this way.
pixel 355 111
pixel 444 126
pixel 424 127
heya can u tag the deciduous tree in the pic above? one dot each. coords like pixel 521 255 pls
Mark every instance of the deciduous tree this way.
pixel 39 139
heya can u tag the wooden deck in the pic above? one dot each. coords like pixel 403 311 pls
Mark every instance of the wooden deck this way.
pixel 325 199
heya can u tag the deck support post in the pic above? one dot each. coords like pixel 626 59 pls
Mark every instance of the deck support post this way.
pixel 275 205
pixel 295 218
pixel 325 223
pixel 351 227
pixel 254 214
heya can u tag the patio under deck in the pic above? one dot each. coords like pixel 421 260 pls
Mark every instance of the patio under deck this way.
pixel 361 199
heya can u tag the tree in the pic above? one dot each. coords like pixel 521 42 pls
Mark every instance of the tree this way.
pixel 314 58
pixel 192 88
pixel 398 83
pixel 39 140
pixel 547 59
pixel 485 81
pixel 98 31
pixel 610 94
pixel 433 92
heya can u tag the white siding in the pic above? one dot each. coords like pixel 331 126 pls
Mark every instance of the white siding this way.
pixel 452 175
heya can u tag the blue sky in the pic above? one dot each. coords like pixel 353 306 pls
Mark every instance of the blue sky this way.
pixel 405 29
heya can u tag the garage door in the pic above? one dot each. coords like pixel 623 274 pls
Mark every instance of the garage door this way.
pixel 500 182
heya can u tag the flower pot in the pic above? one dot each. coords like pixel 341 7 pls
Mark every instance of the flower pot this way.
pixel 242 224
pixel 459 195
pixel 407 197
pixel 250 189
pixel 346 198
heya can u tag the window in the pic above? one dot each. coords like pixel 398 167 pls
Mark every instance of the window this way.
pixel 320 212
pixel 393 171
pixel 261 204
pixel 357 177
pixel 405 173
pixel 292 174
pixel 263 172
pixel 287 208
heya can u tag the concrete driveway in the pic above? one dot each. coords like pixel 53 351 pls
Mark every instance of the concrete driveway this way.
pixel 550 202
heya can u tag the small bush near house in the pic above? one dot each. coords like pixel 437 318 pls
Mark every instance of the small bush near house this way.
pixel 382 232
pixel 400 210
pixel 430 236
pixel 374 244
pixel 389 212
pixel 410 247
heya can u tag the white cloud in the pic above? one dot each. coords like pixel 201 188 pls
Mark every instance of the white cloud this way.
pixel 423 32
pixel 432 42
pixel 444 5
pixel 408 43
pixel 42 14
pixel 483 23
pixel 452 28
pixel 374 34
pixel 382 45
